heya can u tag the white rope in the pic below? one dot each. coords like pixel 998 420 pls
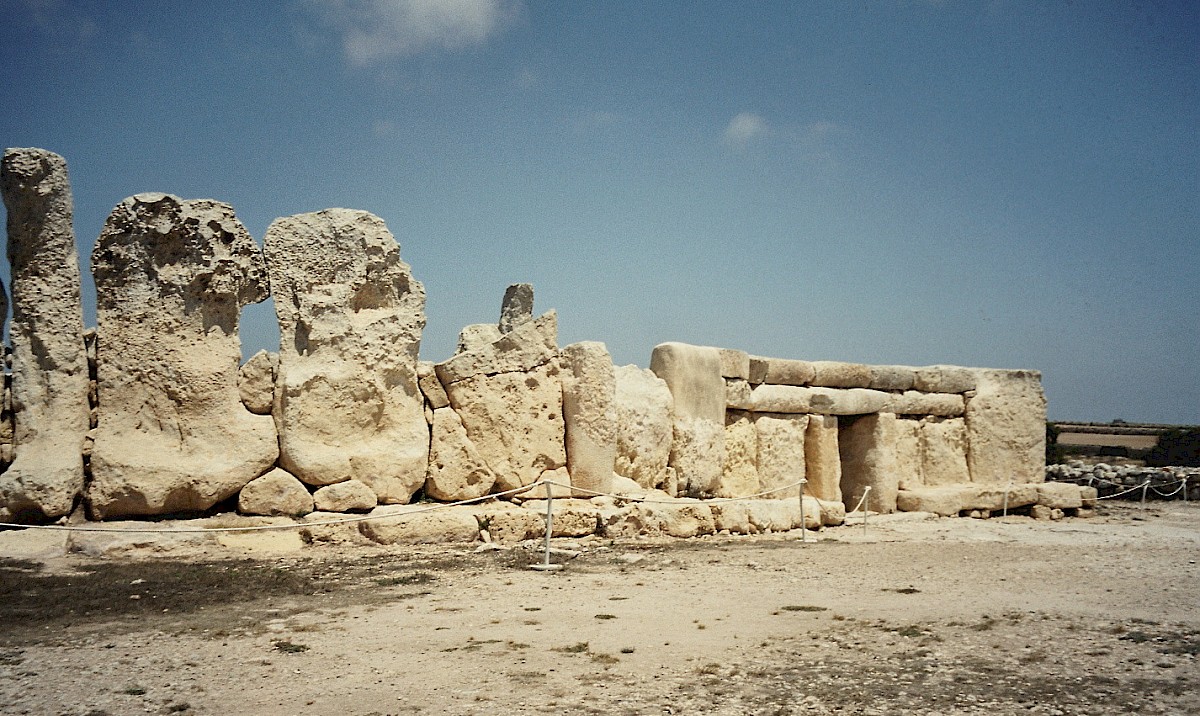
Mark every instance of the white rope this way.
pixel 1172 493
pixel 862 499
pixel 652 501
pixel 1126 492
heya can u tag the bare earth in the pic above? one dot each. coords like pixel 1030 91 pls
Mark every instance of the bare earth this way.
pixel 916 616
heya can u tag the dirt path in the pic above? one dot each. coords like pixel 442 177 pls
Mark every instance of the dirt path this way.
pixel 948 616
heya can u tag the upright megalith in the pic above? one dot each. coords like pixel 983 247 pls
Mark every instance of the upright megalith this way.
pixel 693 374
pixel 347 403
pixel 517 307
pixel 1005 422
pixel 643 408
pixel 589 415
pixel 172 277
pixel 50 375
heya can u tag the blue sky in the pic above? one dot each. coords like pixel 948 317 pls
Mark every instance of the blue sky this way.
pixel 1012 184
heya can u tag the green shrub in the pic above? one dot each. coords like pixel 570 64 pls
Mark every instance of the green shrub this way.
pixel 1180 447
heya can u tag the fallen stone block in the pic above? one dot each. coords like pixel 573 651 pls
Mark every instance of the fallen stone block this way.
pixel 347 496
pixel 276 493
pixel 992 497
pixel 944 501
pixel 418 524
pixel 1061 495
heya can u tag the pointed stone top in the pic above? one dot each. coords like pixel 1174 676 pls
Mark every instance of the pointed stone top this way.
pixel 517 307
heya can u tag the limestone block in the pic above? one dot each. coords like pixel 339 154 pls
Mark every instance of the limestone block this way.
pixel 944 501
pixel 589 415
pixel 527 346
pixel 350 319
pixel 738 395
pixel 913 402
pixel 992 497
pixel 697 455
pixel 517 307
pixel 572 518
pixel 171 279
pixel 944 379
pixel 780 453
pixel 732 517
pixel 758 369
pixel 1061 495
pixel 643 425
pixel 1088 496
pixel 867 448
pixel 774 515
pixel 49 389
pixel 781 399
pixel 944 452
pixel 417 524
pixel 735 364
pixel 822 463
pixel 345 496
pixel 508 525
pixel 892 377
pixel 456 470
pixel 515 421
pixel 430 386
pixel 477 335
pixel 833 512
pixel 681 519
pixel 276 493
pixel 256 382
pixel 693 375
pixel 1006 427
pixel 781 371
pixel 739 478
pixel 909 475
pixel 854 401
pixel 835 374
pixel 344 533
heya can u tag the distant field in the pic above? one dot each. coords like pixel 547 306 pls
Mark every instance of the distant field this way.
pixel 1136 442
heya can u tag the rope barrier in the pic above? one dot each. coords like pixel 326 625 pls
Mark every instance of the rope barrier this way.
pixel 1126 492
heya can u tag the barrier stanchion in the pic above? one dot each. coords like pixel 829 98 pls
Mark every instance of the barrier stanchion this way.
pixel 803 517
pixel 866 506
pixel 1185 488
pixel 1145 486
pixel 1006 491
pixel 546 566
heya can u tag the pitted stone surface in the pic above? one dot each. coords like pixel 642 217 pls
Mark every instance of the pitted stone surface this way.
pixel 350 321
pixel 913 402
pixel 589 415
pixel 944 379
pixel 944 452
pixel 643 424
pixel 517 307
pixel 49 391
pixel 346 496
pixel 780 453
pixel 1006 427
pixel 456 470
pixel 693 374
pixel 524 348
pixel 823 464
pixel 276 493
pixel 171 279
pixel 868 449
pixel 739 477
pixel 256 382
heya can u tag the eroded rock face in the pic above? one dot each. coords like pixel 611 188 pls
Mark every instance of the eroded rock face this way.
pixel 517 307
pixel 171 279
pixel 456 470
pixel 275 493
pixel 347 404
pixel 589 415
pixel 868 448
pixel 1006 427
pixel 256 382
pixel 643 422
pixel 49 364
pixel 693 374
pixel 823 463
pixel 781 462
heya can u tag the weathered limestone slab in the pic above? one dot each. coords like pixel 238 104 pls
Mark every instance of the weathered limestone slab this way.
pixel 346 496
pixel 835 374
pixel 913 402
pixel 892 377
pixel 732 517
pixel 517 307
pixel 781 399
pixel 350 321
pixel 833 512
pixel 417 524
pixel 680 519
pixel 758 369
pixel 524 348
pixel 775 515
pixel 589 415
pixel 780 462
pixel 909 475
pixel 515 421
pixel 476 335
pixel 781 371
pixel 171 279
pixel 822 463
pixel 507 525
pixel 945 501
pixel 1088 496
pixel 735 364
pixel 1061 495
pixel 572 518
pixel 256 382
pixel 430 386
pixel 992 497
pixel 867 447
pixel 944 452
pixel 739 478
pixel 738 394
pixel 944 379
pixel 853 401
pixel 49 390
pixel 693 375
pixel 456 470
pixel 276 493
pixel 1006 427
pixel 643 425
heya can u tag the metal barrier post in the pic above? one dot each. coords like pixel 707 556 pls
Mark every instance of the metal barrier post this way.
pixel 1006 489
pixel 546 566
pixel 1145 486
pixel 803 517
pixel 866 507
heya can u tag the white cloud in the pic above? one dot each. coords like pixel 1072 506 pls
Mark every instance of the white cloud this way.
pixel 374 30
pixel 745 128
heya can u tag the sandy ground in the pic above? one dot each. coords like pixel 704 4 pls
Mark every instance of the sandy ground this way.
pixel 914 616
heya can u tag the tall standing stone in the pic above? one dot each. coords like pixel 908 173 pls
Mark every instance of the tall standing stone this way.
pixel 868 448
pixel 822 461
pixel 693 373
pixel 589 415
pixel 347 403
pixel 780 453
pixel 1006 427
pixel 50 376
pixel 517 307
pixel 172 277
pixel 643 405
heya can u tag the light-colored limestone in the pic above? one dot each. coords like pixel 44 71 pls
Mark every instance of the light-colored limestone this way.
pixel 944 452
pixel 913 402
pixel 697 455
pixel 835 374
pixel 49 390
pixel 738 395
pixel 276 493
pixel 909 475
pixel 171 279
pixel 852 401
pixel 735 364
pixel 430 386
pixel 892 377
pixel 781 371
pixel 1061 495
pixel 476 335
pixel 346 496
pixel 589 415
pixel 732 517
pixel 643 425
pixel 775 515
pixel 527 346
pixel 780 461
pixel 739 477
pixel 822 463
pixel 867 447
pixel 456 470
pixel 833 512
pixel 944 379
pixel 1006 427
pixel 945 501
pixel 693 375
pixel 781 399
pixel 256 382
pixel 417 524
pixel 350 316
pixel 680 519
pixel 507 525
pixel 758 369
pixel 1088 496
pixel 993 497
pixel 572 518
pixel 517 307
pixel 515 421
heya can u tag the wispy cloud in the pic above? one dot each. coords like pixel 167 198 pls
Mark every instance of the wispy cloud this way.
pixel 56 17
pixel 375 30
pixel 745 128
